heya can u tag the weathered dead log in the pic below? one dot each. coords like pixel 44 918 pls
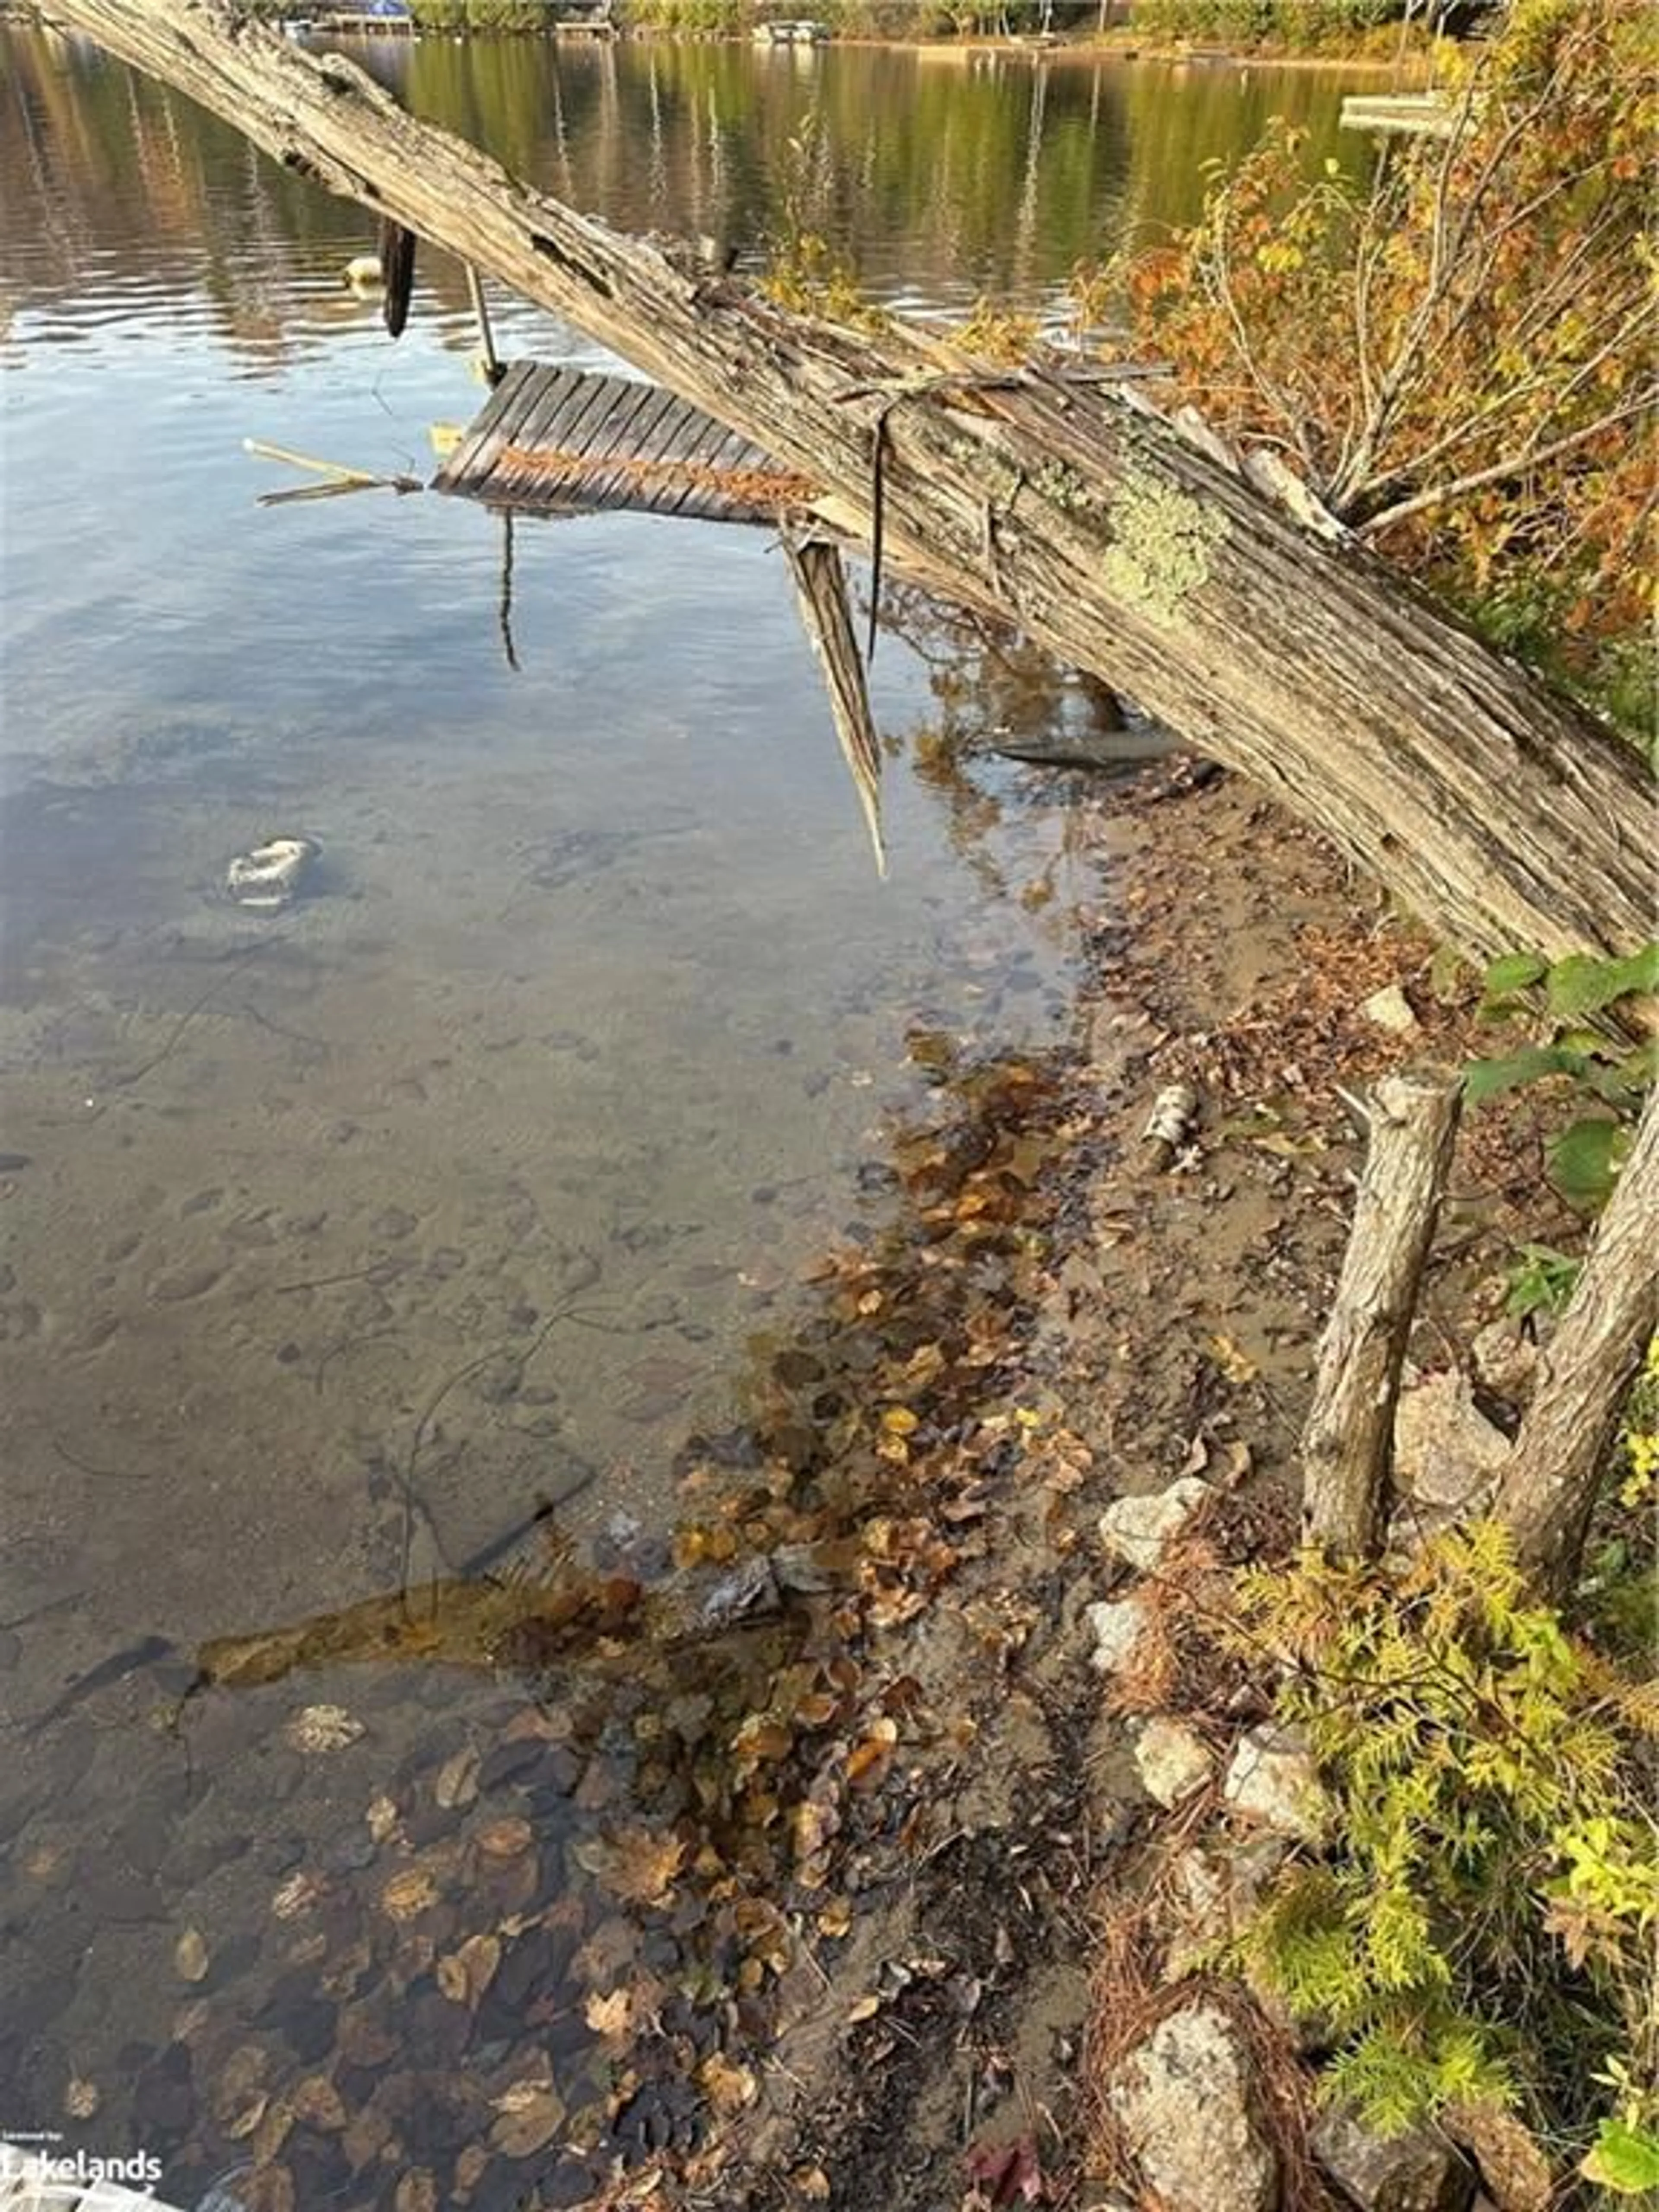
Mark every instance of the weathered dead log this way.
pixel 1549 1492
pixel 1503 814
pixel 826 613
pixel 1347 1444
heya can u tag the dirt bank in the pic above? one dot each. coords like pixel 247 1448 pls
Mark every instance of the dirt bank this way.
pixel 933 2033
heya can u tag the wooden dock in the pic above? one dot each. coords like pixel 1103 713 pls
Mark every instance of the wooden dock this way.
pixel 799 32
pixel 564 440
pixel 1413 114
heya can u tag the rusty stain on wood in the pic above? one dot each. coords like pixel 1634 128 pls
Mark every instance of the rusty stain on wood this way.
pixel 550 440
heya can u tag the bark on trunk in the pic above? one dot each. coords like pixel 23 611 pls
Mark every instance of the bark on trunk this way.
pixel 1549 1492
pixel 1348 1443
pixel 1498 811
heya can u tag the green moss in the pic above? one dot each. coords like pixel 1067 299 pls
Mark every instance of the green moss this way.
pixel 1163 540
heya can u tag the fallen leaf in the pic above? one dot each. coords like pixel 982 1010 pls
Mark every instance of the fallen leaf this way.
pixel 190 1956
pixel 383 1818
pixel 868 1761
pixel 530 2115
pixel 637 1866
pixel 863 2009
pixel 269 2189
pixel 728 2087
pixel 1235 1366
pixel 457 1785
pixel 1008 2173
pixel 300 1894
pixel 238 2121
pixel 408 1895
pixel 505 1839
pixel 317 1729
pixel 611 2015
pixel 466 1972
pixel 416 2192
pixel 81 2098
pixel 317 2102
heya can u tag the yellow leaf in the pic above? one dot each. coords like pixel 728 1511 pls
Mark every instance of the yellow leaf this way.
pixel 610 2016
pixel 408 1895
pixel 190 1956
pixel 530 2115
pixel 729 2088
pixel 900 1421
pixel 1234 1364
pixel 636 1866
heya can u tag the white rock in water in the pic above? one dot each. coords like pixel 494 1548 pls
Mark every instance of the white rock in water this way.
pixel 1171 1760
pixel 1274 1780
pixel 268 878
pixel 1183 2100
pixel 1136 1530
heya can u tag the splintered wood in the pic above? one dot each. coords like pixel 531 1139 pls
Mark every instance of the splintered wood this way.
pixel 821 593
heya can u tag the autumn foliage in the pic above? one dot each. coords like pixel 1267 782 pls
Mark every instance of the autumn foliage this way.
pixel 1458 356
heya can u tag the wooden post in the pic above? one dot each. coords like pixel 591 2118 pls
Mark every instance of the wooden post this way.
pixel 820 577
pixel 492 367
pixel 1502 813
pixel 1348 1443
pixel 1549 1492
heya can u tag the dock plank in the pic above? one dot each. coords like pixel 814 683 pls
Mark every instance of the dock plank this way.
pixel 554 439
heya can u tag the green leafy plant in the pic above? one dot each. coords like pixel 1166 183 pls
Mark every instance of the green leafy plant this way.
pixel 1624 2160
pixel 1584 1157
pixel 1478 1929
pixel 1541 1280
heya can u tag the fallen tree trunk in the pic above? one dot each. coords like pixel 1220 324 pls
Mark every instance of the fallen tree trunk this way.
pixel 1499 812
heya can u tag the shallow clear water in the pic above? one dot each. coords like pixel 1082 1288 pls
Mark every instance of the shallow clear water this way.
pixel 333 1244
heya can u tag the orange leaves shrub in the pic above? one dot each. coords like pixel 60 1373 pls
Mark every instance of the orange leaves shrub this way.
pixel 1459 356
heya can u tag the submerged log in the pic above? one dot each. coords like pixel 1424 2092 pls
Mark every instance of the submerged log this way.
pixel 1500 811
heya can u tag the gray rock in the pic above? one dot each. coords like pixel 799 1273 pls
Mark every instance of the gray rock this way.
pixel 1213 1897
pixel 1117 1624
pixel 1390 1009
pixel 1448 1457
pixel 1185 2101
pixel 1273 1780
pixel 1171 1760
pixel 1505 1358
pixel 1136 1530
pixel 1417 2171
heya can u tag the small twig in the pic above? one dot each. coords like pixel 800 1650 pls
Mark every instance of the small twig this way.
pixel 137 1074
pixel 99 1473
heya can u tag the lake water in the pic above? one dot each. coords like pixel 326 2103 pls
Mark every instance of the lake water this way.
pixel 335 1244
